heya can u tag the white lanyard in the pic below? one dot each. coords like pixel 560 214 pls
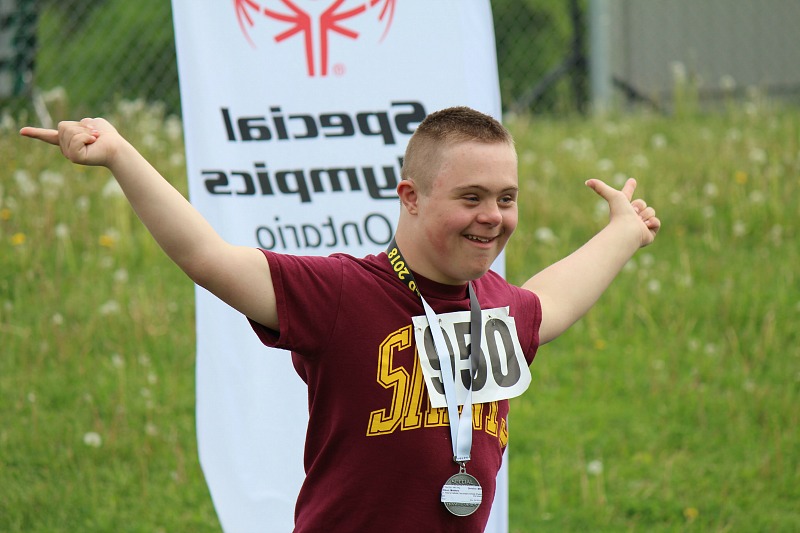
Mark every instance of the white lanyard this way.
pixel 460 425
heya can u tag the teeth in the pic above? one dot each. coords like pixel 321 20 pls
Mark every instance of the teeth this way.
pixel 474 238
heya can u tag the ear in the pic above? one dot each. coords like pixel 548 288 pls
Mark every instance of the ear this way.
pixel 409 196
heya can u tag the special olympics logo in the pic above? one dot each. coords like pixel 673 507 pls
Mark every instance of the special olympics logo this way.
pixel 315 24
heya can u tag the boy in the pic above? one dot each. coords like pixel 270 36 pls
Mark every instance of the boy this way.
pixel 379 455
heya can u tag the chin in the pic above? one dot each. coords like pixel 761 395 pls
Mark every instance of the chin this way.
pixel 476 273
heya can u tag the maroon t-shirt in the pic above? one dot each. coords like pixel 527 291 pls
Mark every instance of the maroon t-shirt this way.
pixel 376 452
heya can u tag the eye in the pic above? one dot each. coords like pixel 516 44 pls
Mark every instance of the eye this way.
pixel 507 200
pixel 472 198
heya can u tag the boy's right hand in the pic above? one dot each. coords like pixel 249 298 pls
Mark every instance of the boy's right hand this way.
pixel 92 141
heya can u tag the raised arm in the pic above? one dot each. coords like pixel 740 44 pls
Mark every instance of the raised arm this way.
pixel 237 275
pixel 570 287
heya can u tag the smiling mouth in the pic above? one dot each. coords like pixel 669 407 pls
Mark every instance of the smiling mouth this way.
pixel 483 240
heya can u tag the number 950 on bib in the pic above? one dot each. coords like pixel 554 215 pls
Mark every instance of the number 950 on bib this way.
pixel 501 371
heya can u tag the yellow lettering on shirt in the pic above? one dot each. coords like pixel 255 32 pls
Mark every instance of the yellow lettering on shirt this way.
pixel 407 409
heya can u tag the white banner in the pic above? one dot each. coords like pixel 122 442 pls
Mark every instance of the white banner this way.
pixel 296 115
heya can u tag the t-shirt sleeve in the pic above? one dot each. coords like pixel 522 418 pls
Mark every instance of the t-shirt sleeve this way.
pixel 307 293
pixel 531 308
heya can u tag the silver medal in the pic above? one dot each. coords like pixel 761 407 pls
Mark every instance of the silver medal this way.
pixel 462 494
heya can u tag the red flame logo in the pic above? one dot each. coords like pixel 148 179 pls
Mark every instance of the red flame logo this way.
pixel 315 29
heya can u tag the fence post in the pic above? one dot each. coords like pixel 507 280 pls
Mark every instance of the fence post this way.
pixel 17 47
pixel 600 55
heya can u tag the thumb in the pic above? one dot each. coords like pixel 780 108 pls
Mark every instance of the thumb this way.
pixel 608 193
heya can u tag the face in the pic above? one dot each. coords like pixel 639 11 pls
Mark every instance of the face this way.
pixel 470 211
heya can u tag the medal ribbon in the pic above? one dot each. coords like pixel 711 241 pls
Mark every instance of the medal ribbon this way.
pixel 460 425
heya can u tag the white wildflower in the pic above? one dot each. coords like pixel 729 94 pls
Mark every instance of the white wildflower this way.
pixel 569 144
pixel 117 361
pixel 176 159
pixel 62 231
pixel 82 204
pixel 130 108
pixel 121 276
pixel 595 468
pixel 727 83
pixel 678 70
pixel 7 122
pixel 658 141
pixel 150 141
pixel 92 439
pixel 758 156
pixel 173 128
pixel 605 165
pixel 654 286
pixel 545 235
pixel 52 183
pixel 111 307
pixel 26 186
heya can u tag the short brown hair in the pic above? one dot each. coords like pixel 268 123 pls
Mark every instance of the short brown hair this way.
pixel 444 128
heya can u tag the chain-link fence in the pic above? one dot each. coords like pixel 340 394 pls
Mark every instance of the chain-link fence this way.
pixel 73 56
pixel 91 53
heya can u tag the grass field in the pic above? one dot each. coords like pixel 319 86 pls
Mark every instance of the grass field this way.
pixel 673 406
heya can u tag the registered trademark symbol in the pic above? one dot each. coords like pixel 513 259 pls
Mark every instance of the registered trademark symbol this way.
pixel 339 69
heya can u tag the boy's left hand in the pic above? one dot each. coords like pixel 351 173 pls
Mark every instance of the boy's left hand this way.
pixel 621 206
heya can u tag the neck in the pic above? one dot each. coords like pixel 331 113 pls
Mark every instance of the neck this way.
pixel 415 260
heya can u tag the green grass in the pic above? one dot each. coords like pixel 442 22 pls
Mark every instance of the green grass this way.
pixel 671 407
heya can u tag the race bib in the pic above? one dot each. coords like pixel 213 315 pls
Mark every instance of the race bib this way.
pixel 502 371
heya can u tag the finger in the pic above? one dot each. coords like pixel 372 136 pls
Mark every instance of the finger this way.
pixel 639 205
pixel 42 134
pixel 78 142
pixel 600 187
pixel 90 123
pixel 628 188
pixel 647 213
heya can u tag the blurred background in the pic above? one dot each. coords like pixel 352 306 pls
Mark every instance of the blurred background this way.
pixel 672 406
pixel 553 56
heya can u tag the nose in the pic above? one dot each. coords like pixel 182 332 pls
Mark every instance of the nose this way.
pixel 490 214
